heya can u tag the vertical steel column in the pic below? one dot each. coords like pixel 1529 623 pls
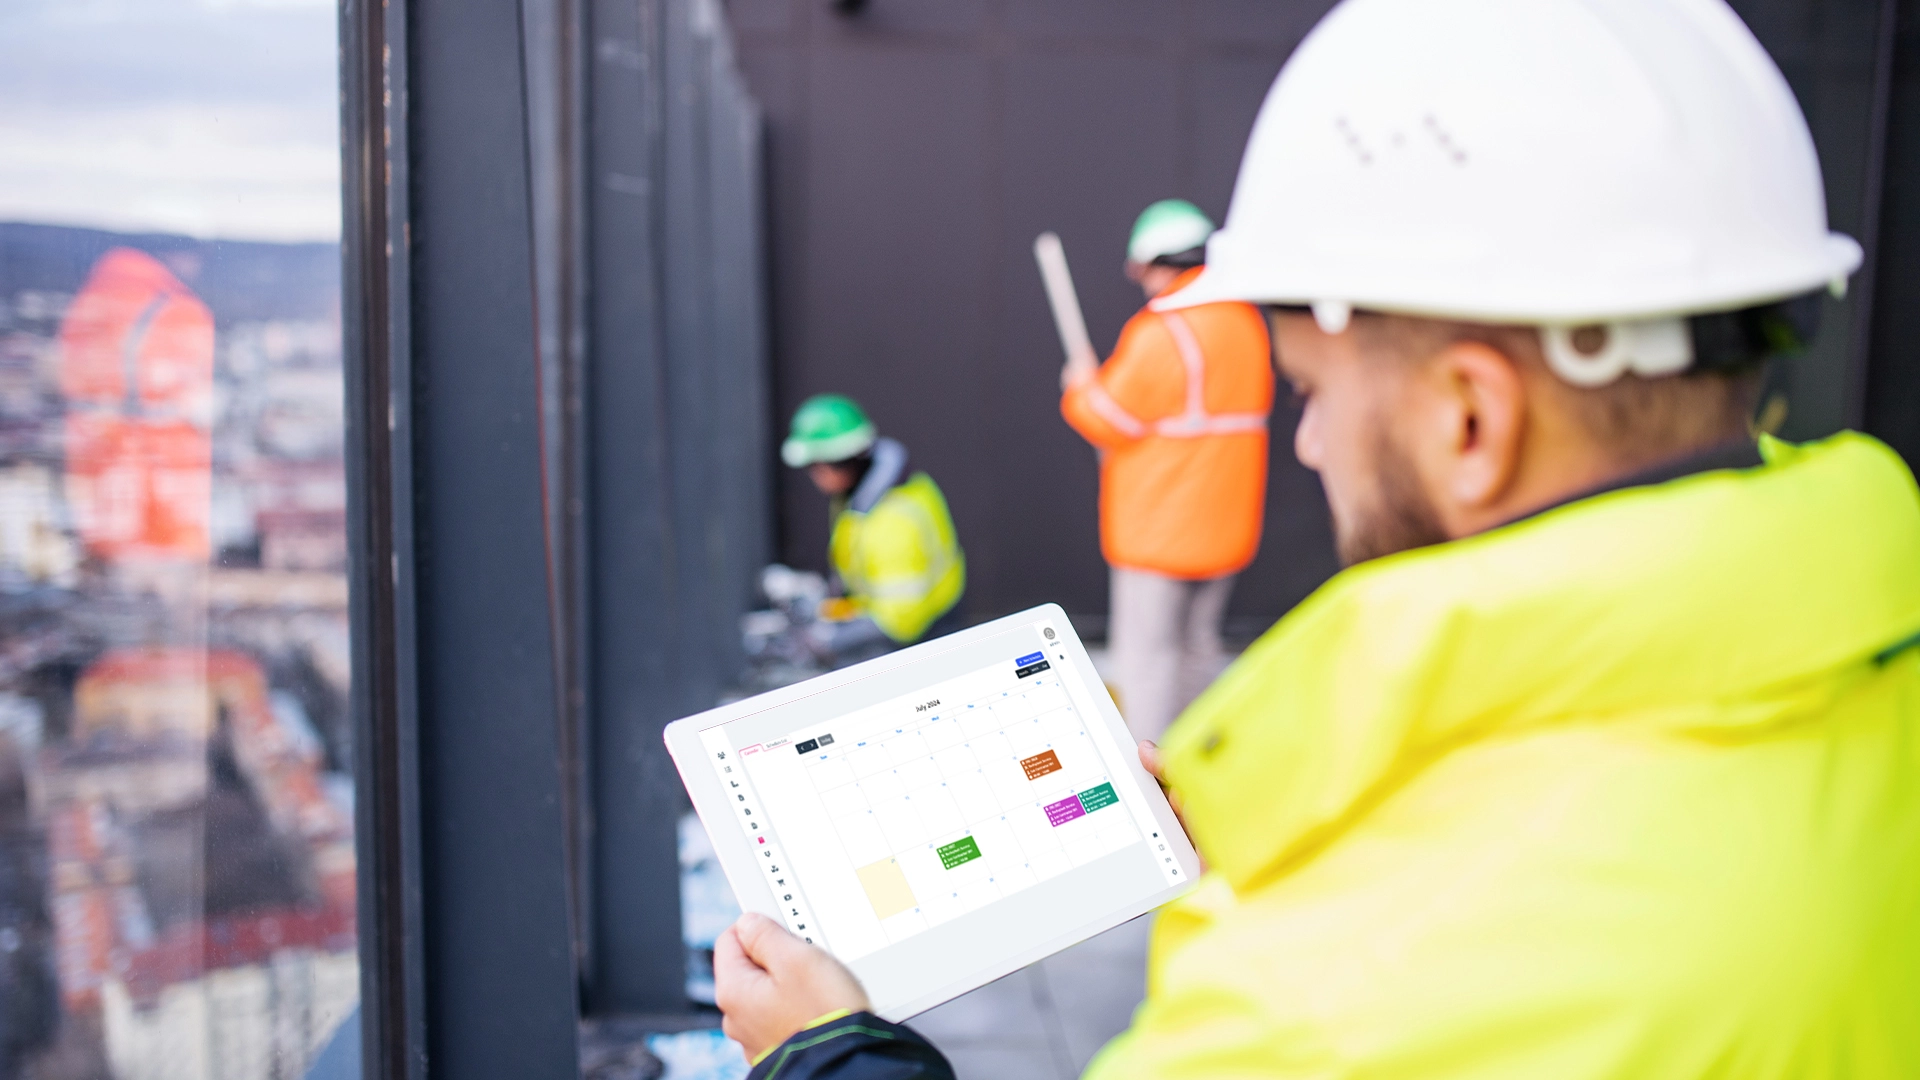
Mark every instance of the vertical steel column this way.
pixel 635 607
pixel 1866 283
pixel 677 451
pixel 373 126
pixel 1892 378
pixel 716 314
pixel 469 963
pixel 691 386
pixel 501 990
pixel 556 68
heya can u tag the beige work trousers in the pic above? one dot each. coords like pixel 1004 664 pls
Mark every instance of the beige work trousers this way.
pixel 1163 640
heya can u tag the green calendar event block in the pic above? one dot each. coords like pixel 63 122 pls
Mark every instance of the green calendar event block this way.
pixel 960 851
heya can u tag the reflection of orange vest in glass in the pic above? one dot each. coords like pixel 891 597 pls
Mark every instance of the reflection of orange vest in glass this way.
pixel 1181 410
pixel 136 366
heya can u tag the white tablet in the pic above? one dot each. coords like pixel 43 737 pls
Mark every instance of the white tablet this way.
pixel 941 816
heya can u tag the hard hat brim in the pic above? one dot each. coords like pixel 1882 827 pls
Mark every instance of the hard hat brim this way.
pixel 800 453
pixel 1619 297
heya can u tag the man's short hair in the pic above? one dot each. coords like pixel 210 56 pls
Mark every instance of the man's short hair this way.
pixel 1183 260
pixel 1640 418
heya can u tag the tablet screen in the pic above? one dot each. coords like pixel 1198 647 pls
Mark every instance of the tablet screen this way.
pixel 974 796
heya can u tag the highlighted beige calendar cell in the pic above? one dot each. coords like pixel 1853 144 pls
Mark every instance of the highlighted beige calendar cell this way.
pixel 887 888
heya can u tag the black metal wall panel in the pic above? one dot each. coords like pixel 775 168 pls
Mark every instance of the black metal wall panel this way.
pixel 916 150
pixel 1861 373
pixel 1826 49
pixel 897 276
pixel 1101 115
pixel 1892 394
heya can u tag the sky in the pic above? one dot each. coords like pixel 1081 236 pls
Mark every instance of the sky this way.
pixel 214 118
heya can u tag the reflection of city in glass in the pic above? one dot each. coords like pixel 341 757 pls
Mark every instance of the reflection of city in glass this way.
pixel 176 846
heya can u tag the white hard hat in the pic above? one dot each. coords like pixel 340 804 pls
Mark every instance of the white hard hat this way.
pixel 1542 162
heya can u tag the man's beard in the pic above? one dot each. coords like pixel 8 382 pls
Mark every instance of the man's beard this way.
pixel 1400 520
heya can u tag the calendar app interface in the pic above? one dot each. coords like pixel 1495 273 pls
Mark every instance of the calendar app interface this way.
pixel 976 804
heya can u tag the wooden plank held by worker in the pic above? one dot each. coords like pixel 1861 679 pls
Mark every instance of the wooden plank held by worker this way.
pixel 1065 302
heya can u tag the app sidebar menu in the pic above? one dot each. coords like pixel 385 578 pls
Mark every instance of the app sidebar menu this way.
pixel 764 842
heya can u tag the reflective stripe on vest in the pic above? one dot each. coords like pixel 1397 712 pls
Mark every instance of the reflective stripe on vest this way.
pixel 1113 412
pixel 1196 421
pixel 1192 422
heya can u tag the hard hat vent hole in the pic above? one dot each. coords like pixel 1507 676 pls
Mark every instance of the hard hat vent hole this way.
pixel 1589 340
pixel 1454 151
pixel 1352 138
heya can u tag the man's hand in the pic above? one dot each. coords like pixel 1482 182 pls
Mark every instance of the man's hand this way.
pixel 770 984
pixel 1079 368
pixel 1151 761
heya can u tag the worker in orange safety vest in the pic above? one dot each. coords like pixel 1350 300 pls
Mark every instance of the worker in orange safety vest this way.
pixel 1179 412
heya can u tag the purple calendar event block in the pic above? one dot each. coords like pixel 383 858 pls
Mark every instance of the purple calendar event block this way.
pixel 1064 811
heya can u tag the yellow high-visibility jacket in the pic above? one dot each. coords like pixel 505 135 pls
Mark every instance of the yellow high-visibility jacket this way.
pixel 1627 789
pixel 900 560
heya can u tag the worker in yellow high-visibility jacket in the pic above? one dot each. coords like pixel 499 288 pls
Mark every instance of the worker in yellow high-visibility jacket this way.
pixel 893 546
pixel 1601 759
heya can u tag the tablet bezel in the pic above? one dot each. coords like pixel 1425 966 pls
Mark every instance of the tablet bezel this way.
pixel 735 855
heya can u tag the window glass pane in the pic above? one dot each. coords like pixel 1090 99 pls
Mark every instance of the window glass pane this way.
pixel 176 846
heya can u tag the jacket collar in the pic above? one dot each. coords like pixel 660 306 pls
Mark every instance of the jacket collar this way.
pixel 888 469
pixel 1186 278
pixel 1738 454
pixel 1719 605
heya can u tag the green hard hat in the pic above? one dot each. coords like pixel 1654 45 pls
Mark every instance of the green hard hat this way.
pixel 826 427
pixel 1168 227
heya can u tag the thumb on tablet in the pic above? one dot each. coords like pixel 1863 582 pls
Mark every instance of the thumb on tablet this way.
pixel 771 984
pixel 1155 764
pixel 730 959
pixel 768 946
pixel 795 966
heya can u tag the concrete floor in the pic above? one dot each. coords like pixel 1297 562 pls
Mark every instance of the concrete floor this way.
pixel 1046 1021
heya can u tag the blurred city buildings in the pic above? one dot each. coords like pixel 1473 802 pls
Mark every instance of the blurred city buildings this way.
pixel 176 826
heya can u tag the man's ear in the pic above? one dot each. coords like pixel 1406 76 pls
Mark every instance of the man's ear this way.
pixel 1484 411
